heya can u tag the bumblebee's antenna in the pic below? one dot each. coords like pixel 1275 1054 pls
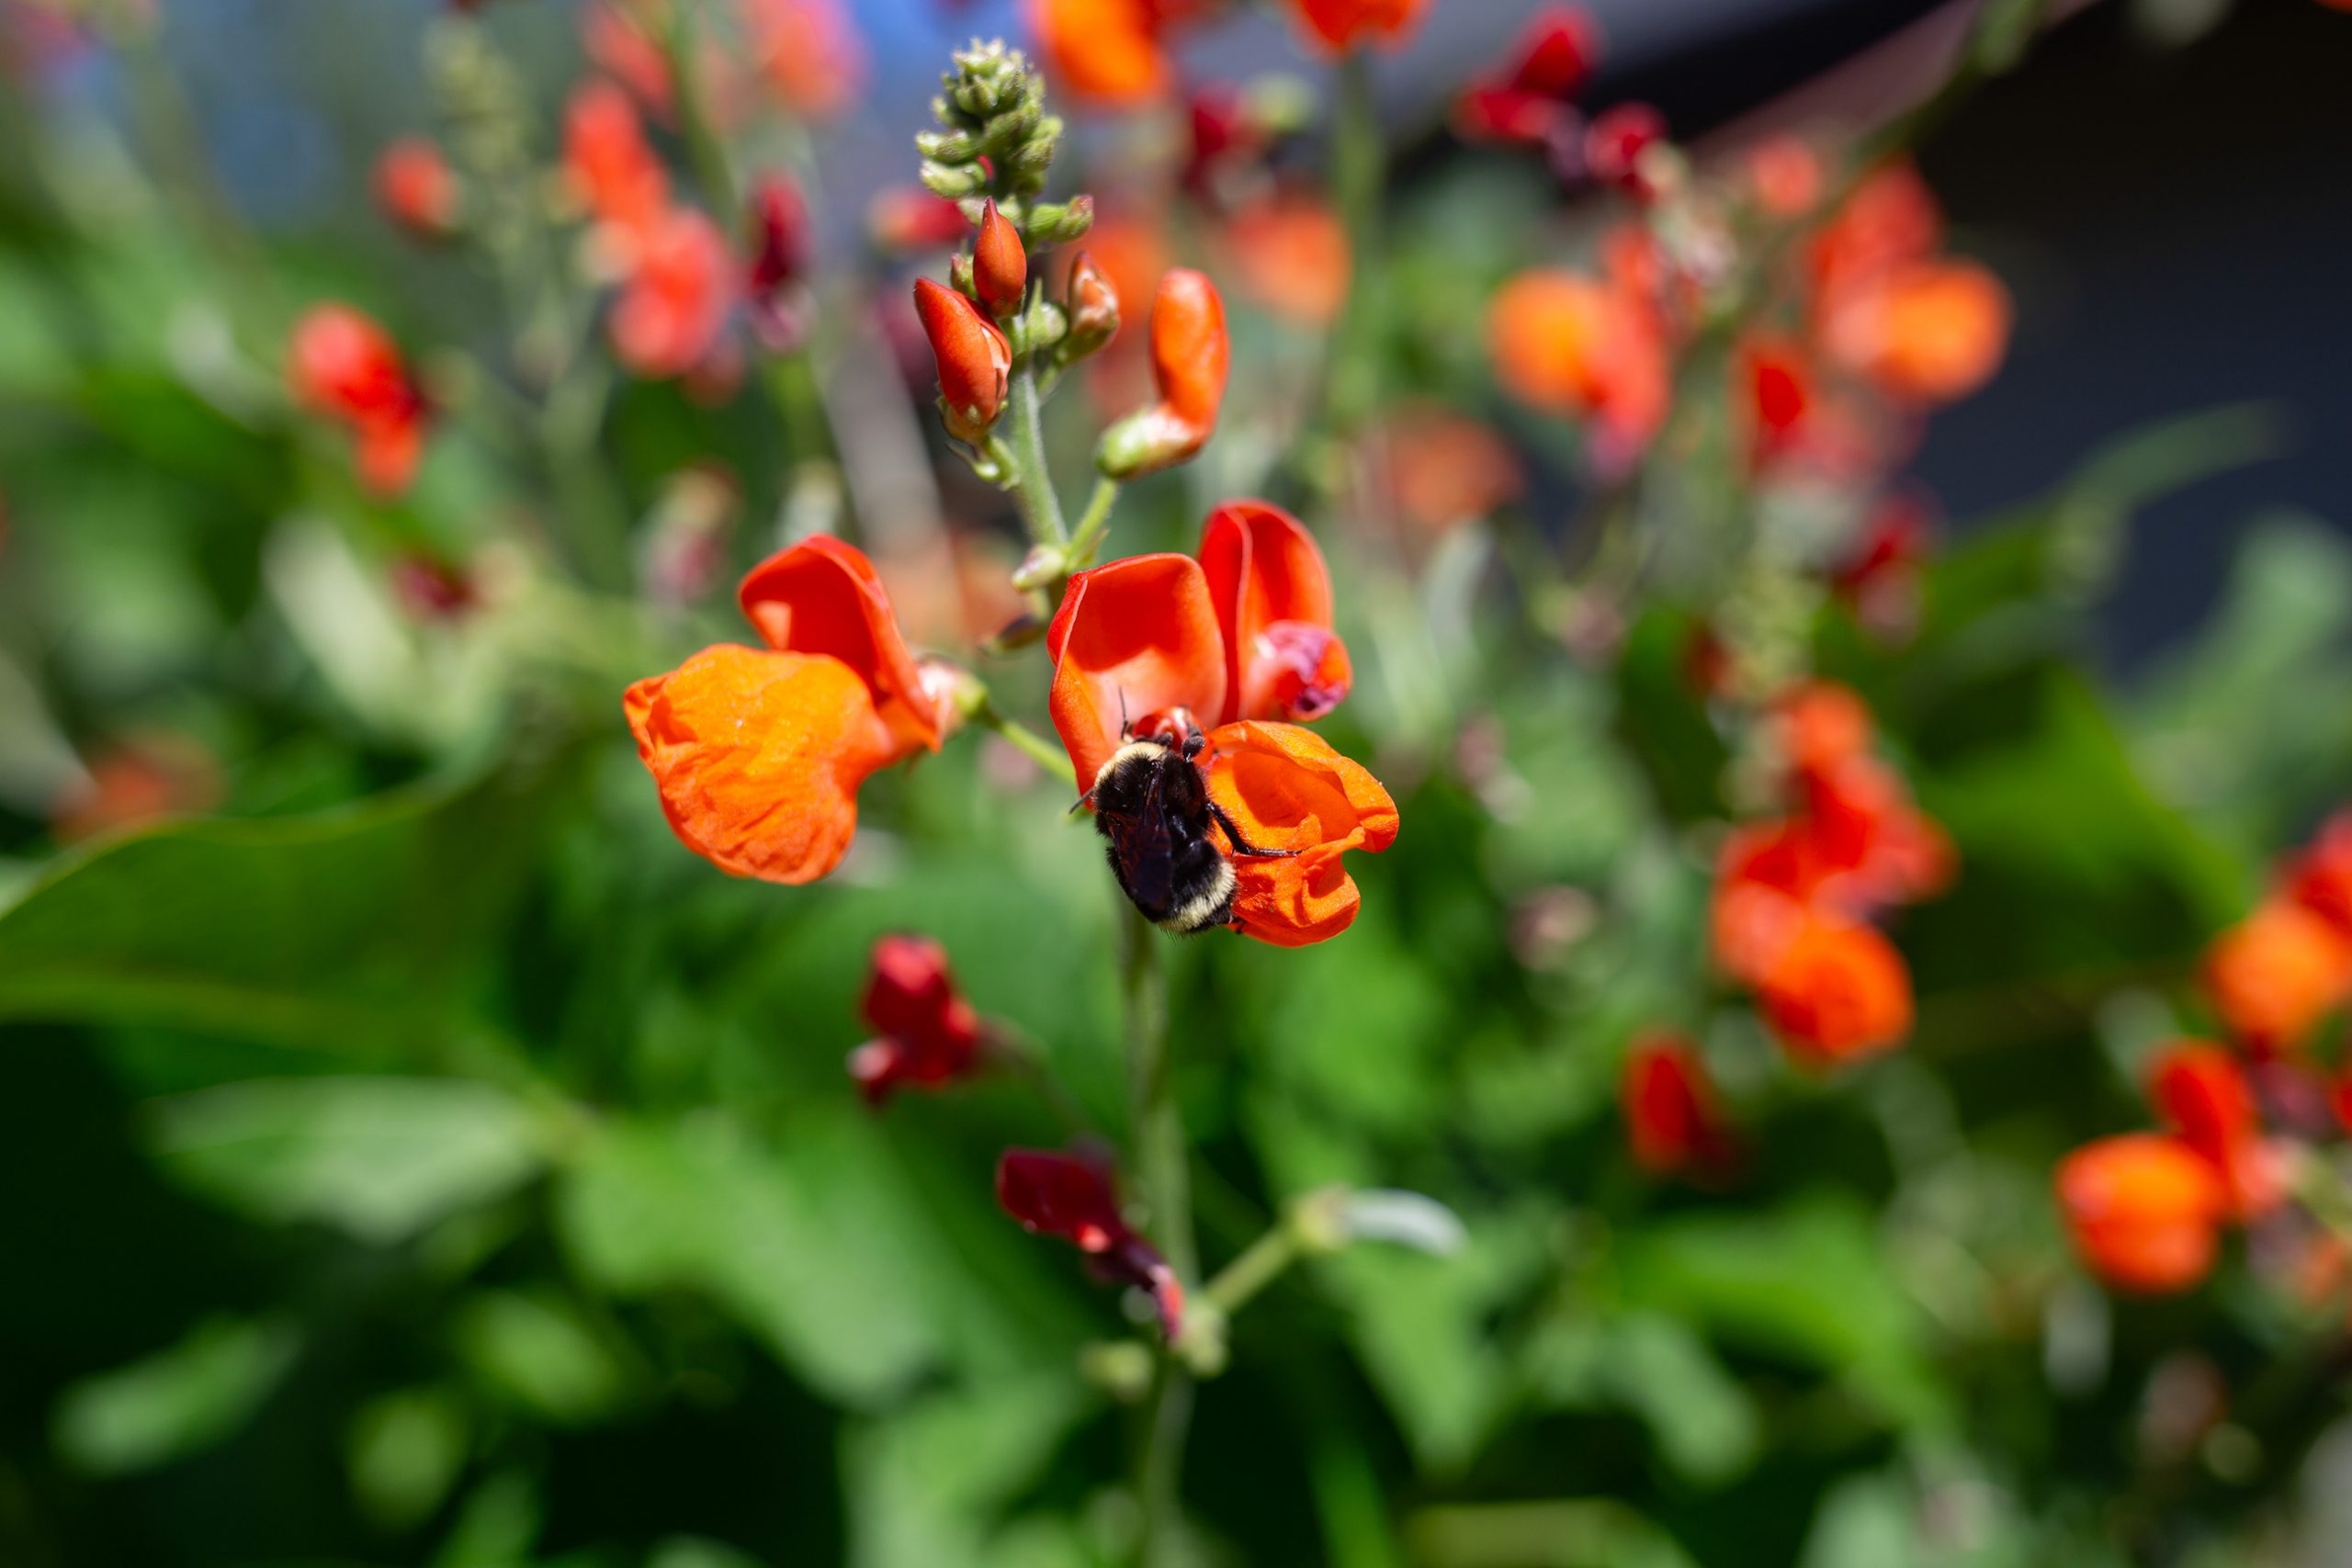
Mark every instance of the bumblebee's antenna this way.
pixel 1124 733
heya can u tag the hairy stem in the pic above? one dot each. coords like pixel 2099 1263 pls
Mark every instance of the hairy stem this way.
pixel 1033 481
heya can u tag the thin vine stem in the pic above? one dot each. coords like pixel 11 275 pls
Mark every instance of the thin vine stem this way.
pixel 1033 486
pixel 1164 1175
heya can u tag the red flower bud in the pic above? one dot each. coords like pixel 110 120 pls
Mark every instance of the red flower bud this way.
pixel 415 189
pixel 1190 357
pixel 975 362
pixel 1094 306
pixel 1062 1195
pixel 1000 266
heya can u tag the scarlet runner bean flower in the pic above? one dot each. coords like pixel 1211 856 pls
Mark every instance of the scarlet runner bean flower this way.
pixel 611 170
pixel 1291 255
pixel 1571 345
pixel 673 307
pixel 1109 53
pixel 1925 332
pixel 1528 101
pixel 758 753
pixel 927 1034
pixel 1673 1121
pixel 343 364
pixel 2276 974
pixel 2143 1210
pixel 774 281
pixel 1615 144
pixel 1148 636
pixel 1071 1198
pixel 808 53
pixel 415 189
pixel 1342 25
pixel 1190 357
pixel 2203 1092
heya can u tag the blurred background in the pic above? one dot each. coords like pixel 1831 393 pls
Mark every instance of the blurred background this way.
pixel 410 1154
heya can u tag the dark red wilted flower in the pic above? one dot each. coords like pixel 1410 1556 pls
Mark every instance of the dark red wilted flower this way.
pixel 343 364
pixel 975 362
pixel 1673 1121
pixel 415 189
pixel 772 281
pixel 431 589
pixel 927 1035
pixel 1066 1196
pixel 1528 102
pixel 1614 142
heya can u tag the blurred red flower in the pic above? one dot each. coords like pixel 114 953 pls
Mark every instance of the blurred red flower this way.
pixel 927 1035
pixel 1342 25
pixel 343 364
pixel 1673 1121
pixel 1570 344
pixel 1528 100
pixel 415 189
pixel 674 299
pixel 2277 973
pixel 2203 1093
pixel 1290 256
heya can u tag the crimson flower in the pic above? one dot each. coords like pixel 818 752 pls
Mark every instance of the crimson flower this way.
pixel 927 1035
pixel 341 363
pixel 1528 101
pixel 1073 1198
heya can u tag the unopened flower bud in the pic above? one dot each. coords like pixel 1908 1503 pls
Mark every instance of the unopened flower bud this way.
pixel 1000 264
pixel 954 181
pixel 975 362
pixel 1059 222
pixel 1094 306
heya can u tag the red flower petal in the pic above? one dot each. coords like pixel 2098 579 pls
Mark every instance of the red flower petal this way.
pixel 1266 575
pixel 1136 636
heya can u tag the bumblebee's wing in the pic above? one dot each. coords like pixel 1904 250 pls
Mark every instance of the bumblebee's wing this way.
pixel 1144 850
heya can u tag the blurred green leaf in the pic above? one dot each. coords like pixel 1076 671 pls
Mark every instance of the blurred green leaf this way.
pixel 176 1403
pixel 403 1453
pixel 380 1157
pixel 347 931
pixel 1707 1428
pixel 927 1486
pixel 1663 720
pixel 539 1351
pixel 1806 1282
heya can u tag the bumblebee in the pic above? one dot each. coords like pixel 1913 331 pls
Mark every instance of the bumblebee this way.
pixel 1152 807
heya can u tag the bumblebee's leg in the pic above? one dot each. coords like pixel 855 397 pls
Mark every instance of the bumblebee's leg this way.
pixel 1242 846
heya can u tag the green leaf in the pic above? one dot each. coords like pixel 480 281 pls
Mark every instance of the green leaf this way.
pixel 538 1351
pixel 1806 1282
pixel 348 931
pixel 175 1403
pixel 380 1157
pixel 929 1486
pixel 403 1453
pixel 1663 721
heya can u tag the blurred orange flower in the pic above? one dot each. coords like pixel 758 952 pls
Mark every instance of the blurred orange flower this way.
pixel 2277 973
pixel 808 52
pixel 1569 345
pixel 1784 174
pixel 612 172
pixel 1107 52
pixel 2143 1210
pixel 1440 468
pixel 1836 991
pixel 1290 254
pixel 758 753
pixel 673 304
pixel 136 780
pixel 1890 219
pixel 415 189
pixel 1341 25
pixel 1673 1122
pixel 1925 332
pixel 343 364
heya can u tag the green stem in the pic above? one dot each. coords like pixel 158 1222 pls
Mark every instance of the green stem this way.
pixel 713 171
pixel 1033 481
pixel 1093 524
pixel 1359 156
pixel 1157 1140
pixel 598 519
pixel 1259 1265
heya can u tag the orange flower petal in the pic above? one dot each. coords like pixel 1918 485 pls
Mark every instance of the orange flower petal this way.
pixel 1133 637
pixel 1103 51
pixel 759 755
pixel 2275 973
pixel 823 596
pixel 1342 23
pixel 1267 577
pixel 1838 991
pixel 1285 788
pixel 2144 1211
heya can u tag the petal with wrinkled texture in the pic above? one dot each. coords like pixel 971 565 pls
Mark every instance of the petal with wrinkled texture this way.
pixel 823 596
pixel 1285 788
